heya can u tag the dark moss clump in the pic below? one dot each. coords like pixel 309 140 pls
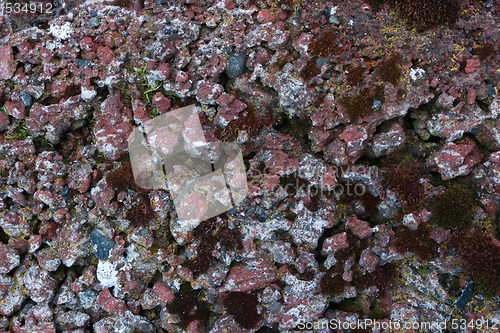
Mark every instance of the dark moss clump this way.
pixel 247 120
pixel 482 258
pixel 209 233
pixel 122 3
pixel 417 241
pixel 355 75
pixel 122 178
pixel 188 306
pixel 484 52
pixel 406 184
pixel 243 307
pixel 311 69
pixel 369 201
pixel 377 4
pixel 141 213
pixel 389 69
pixel 383 277
pixel 425 14
pixel 377 311
pixel 325 45
pixel 204 258
pixel 361 105
pixel 230 238
pixel 332 283
pixel 454 208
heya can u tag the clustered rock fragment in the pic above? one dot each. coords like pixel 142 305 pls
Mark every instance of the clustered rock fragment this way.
pixel 371 138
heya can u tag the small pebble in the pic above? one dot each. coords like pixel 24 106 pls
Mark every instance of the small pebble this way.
pixel 26 99
pixel 492 91
pixel 101 245
pixel 65 191
pixel 377 105
pixel 236 65
pixel 83 62
pixel 321 61
pixel 334 20
pixel 93 23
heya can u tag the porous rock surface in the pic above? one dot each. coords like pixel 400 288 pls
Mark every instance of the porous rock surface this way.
pixel 344 154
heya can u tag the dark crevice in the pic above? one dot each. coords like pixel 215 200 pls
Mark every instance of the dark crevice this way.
pixel 72 90
pixel 433 139
pixel 329 232
pixel 483 106
pixel 4 238
pixel 224 81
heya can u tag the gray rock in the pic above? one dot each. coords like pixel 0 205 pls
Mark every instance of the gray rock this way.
pixel 26 99
pixel 87 298
pixel 466 296
pixel 236 65
pixel 334 20
pixel 126 323
pixel 93 23
pixel 101 245
pixel 83 62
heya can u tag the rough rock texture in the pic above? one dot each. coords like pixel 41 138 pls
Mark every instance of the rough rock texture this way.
pixel 354 119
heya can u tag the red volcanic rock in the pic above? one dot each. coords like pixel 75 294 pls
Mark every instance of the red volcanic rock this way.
pixel 246 277
pixel 163 292
pixel 456 159
pixel 53 120
pixel 9 258
pixel 7 62
pixel 335 243
pixel 40 284
pixel 388 142
pixel 161 102
pixel 360 228
pixel 112 127
pixel 368 261
pixel 302 42
pixel 110 304
pixel 207 92
pixel 16 110
pixel 4 121
pixel 105 54
pixel 472 65
pixel 265 17
pixel 71 244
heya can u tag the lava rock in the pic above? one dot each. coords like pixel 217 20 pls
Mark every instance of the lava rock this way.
pixel 466 296
pixel 101 245
pixel 4 120
pixel 236 65
pixel 16 110
pixel 9 258
pixel 456 159
pixel 112 127
pixel 7 62
pixel 40 284
pixel 93 23
pixel 26 98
